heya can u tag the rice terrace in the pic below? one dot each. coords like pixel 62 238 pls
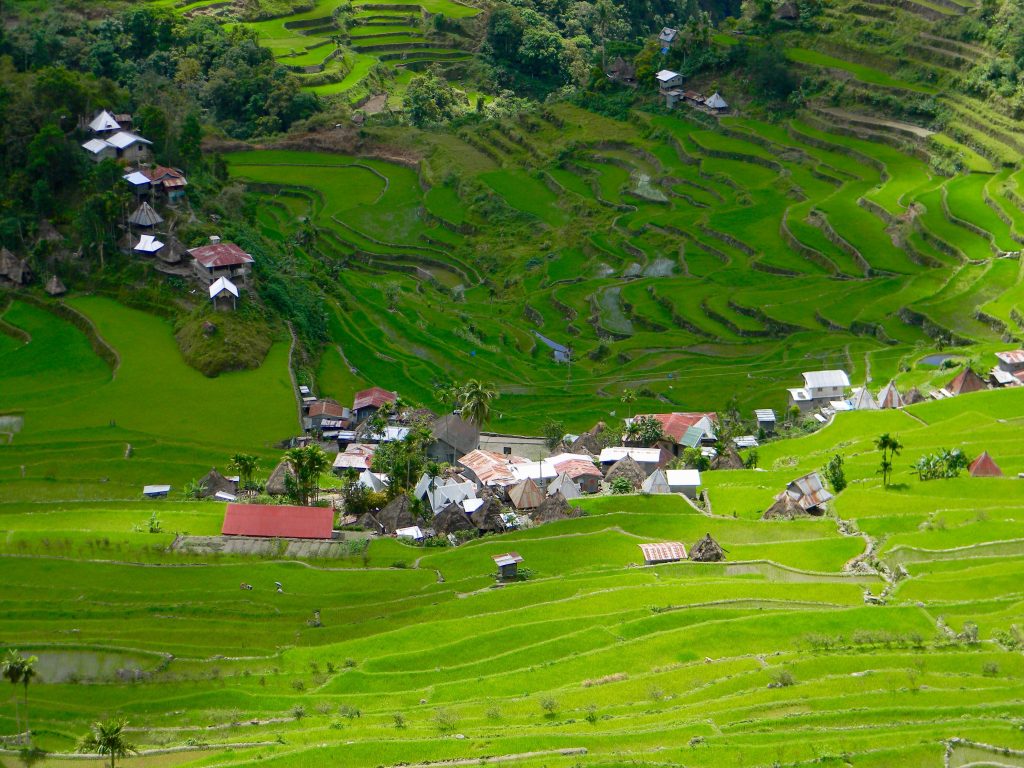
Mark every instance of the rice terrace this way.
pixel 449 383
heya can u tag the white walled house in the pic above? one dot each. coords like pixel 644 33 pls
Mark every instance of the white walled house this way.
pixel 820 388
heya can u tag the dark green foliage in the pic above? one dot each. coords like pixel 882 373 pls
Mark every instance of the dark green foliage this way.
pixel 431 99
pixel 943 464
pixel 835 474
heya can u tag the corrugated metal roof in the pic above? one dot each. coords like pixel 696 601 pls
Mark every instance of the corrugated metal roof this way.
pixel 715 101
pixel 1013 357
pixel 327 408
pixel 507 558
pixel 640 455
pixel 149 490
pixel 148 244
pixel 223 285
pixel 808 491
pixel 764 414
pixel 273 520
pixel 663 552
pixel 411 532
pixel 575 468
pixel 95 146
pixel 682 478
pixel 104 121
pixel 666 75
pixel 373 397
pixel 692 437
pixel 123 139
pixel 220 255
pixel 745 441
pixel 825 379
pixel 492 468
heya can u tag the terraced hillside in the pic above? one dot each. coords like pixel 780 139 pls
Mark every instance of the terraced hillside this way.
pixel 672 256
pixel 334 46
pixel 774 657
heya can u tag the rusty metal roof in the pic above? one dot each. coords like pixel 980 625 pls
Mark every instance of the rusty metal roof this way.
pixel 663 552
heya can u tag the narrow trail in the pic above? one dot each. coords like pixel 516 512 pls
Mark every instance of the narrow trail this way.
pixel 291 374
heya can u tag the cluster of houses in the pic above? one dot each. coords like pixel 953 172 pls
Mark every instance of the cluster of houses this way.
pixel 670 87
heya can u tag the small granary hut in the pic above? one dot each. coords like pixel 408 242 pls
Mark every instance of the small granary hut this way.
pixel 452 519
pixel 805 495
pixel 525 495
pixel 913 396
pixel 277 484
pixel 729 458
pixel 656 483
pixel 966 381
pixel 487 517
pixel 55 287
pixel 396 514
pixel 984 466
pixel 368 522
pixel 628 468
pixel 784 508
pixel 145 216
pixel 508 565
pixel 707 550
pixel 554 507
pixel 590 441
pixel 214 483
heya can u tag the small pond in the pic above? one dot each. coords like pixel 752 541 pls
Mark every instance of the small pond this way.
pixel 59 665
pixel 936 359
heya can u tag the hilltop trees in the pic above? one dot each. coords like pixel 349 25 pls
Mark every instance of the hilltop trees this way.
pixel 309 462
pixel 431 99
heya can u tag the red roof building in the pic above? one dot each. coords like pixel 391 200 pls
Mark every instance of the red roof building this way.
pixel 374 397
pixel 220 255
pixel 984 466
pixel 284 522
pixel 328 409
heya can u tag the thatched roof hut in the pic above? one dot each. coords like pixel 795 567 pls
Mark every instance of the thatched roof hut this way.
pixel 890 396
pixel 707 550
pixel 488 517
pixel 452 519
pixel 914 396
pixel 628 468
pixel 396 514
pixel 728 459
pixel 554 507
pixel 55 287
pixel 214 482
pixel 784 508
pixel 276 485
pixel 590 441
pixel 368 522
pixel 656 483
pixel 525 495
pixel 145 216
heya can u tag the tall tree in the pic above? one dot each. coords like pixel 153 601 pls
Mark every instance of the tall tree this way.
pixel 309 462
pixel 476 400
pixel 890 447
pixel 245 464
pixel 628 398
pixel 19 670
pixel 108 739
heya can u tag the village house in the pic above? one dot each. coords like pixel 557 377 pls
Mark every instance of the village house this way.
pixel 667 36
pixel 13 271
pixel 221 260
pixel 1009 371
pixel 716 104
pixel 533 448
pixel 325 410
pixel 123 145
pixel 453 436
pixel 159 181
pixel 819 390
pixel 663 552
pixel 890 397
pixel 649 459
pixel 508 565
pixel 965 382
pixel 765 420
pixel 683 430
pixel 499 470
pixel 806 494
pixel 367 402
pixel 580 469
pixel 667 79
pixel 278 521
pixel 621 71
pixel 684 481
pixel 357 456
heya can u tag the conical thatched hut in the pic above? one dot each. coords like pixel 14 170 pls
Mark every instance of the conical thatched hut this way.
pixel 145 216
pixel 707 550
pixel 370 523
pixel 728 459
pixel 656 483
pixel 913 396
pixel 590 441
pixel 566 486
pixel 554 507
pixel 784 508
pixel 525 495
pixel 488 517
pixel 214 482
pixel 452 519
pixel 397 514
pixel 628 468
pixel 55 287
pixel 276 485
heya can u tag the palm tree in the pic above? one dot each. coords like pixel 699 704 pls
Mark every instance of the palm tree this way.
pixel 108 739
pixel 245 464
pixel 309 462
pixel 476 401
pixel 628 398
pixel 890 447
pixel 20 669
